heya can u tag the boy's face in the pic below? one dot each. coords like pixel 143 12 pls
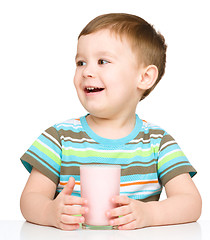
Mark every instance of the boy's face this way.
pixel 106 77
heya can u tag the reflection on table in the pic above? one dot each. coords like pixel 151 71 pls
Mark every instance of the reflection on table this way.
pixel 190 231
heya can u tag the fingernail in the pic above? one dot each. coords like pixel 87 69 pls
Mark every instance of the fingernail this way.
pixel 86 210
pixel 82 219
pixel 85 201
pixel 111 222
pixel 108 213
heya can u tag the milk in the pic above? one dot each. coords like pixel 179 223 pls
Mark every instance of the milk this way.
pixel 99 183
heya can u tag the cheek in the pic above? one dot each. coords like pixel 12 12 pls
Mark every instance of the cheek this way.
pixel 76 80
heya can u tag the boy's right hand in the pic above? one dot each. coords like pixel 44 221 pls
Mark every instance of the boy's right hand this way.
pixel 63 209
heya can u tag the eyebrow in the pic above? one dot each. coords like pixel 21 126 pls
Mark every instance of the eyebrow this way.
pixel 100 53
pixel 77 56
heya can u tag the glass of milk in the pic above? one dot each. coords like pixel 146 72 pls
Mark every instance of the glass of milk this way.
pixel 99 183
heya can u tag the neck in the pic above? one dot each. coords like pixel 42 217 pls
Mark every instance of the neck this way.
pixel 112 128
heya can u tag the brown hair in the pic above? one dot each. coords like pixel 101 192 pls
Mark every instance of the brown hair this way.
pixel 146 43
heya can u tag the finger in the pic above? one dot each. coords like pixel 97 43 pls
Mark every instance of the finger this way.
pixel 122 220
pixel 124 200
pixel 68 219
pixel 119 211
pixel 129 226
pixel 68 189
pixel 69 227
pixel 71 200
pixel 72 210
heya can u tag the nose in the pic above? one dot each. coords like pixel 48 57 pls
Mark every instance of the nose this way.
pixel 88 71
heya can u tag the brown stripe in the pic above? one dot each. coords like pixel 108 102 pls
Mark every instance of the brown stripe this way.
pixel 123 165
pixel 69 133
pixel 53 132
pixel 75 135
pixel 34 163
pixel 177 171
pixel 174 143
pixel 166 139
pixel 139 170
pixel 73 170
pixel 172 167
pixel 54 143
pixel 29 156
pixel 151 198
pixel 147 136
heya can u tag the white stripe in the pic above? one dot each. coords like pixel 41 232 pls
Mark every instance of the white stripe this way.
pixel 109 151
pixel 69 125
pixel 52 138
pixel 167 143
pixel 148 140
pixel 73 121
pixel 139 193
pixel 143 180
pixel 76 187
pixel 152 188
pixel 176 150
pixel 151 125
pixel 77 140
pixel 133 188
pixel 46 146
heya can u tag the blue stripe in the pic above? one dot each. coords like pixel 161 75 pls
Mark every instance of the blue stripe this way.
pixel 44 156
pixel 177 166
pixel 169 149
pixel 172 162
pixel 74 193
pixel 142 191
pixel 143 196
pixel 136 177
pixel 50 144
pixel 64 178
pixel 70 127
pixel 44 164
pixel 106 160
pixel 118 162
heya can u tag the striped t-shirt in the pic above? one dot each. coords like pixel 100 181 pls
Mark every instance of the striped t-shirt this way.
pixel 149 156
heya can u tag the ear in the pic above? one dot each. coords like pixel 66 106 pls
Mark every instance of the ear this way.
pixel 148 77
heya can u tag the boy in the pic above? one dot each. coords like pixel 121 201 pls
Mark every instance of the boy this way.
pixel 120 59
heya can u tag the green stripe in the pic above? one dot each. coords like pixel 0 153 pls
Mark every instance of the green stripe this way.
pixel 92 153
pixel 47 152
pixel 170 157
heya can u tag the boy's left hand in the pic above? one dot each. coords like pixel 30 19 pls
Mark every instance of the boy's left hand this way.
pixel 133 213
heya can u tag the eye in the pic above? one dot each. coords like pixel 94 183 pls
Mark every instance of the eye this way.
pixel 102 61
pixel 80 63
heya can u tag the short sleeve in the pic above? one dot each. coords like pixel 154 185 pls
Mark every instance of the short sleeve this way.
pixel 45 155
pixel 171 160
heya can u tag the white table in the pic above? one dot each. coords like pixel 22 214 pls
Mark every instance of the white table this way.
pixel 20 230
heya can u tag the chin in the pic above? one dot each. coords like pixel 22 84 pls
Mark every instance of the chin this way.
pixel 97 113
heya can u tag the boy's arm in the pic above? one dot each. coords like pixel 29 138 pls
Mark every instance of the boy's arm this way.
pixel 183 204
pixel 38 206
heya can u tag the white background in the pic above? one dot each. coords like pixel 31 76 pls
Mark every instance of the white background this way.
pixel 37 49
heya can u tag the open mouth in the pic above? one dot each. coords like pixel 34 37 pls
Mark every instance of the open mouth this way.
pixel 93 89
